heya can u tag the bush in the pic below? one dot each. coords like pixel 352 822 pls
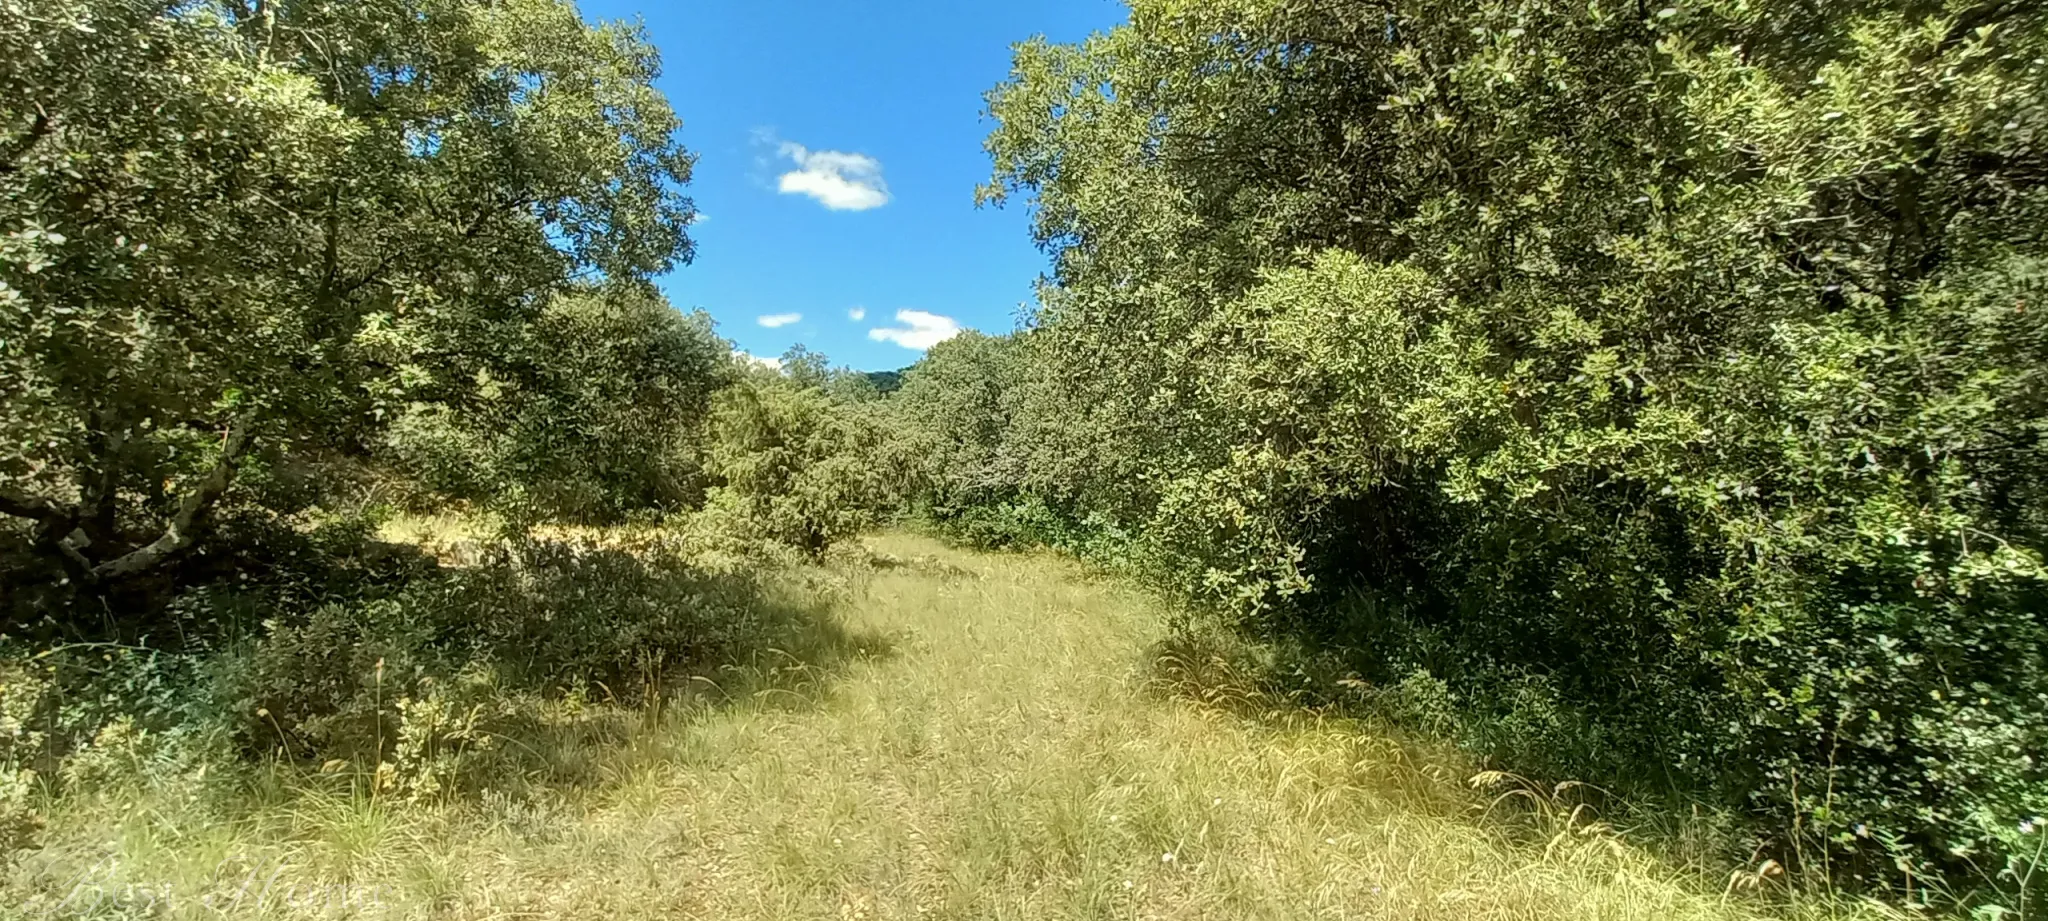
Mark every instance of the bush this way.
pixel 1030 522
pixel 593 411
pixel 1669 388
pixel 538 619
pixel 369 658
pixel 794 466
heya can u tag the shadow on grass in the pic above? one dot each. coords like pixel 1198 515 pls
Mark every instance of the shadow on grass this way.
pixel 1414 745
pixel 922 564
pixel 532 666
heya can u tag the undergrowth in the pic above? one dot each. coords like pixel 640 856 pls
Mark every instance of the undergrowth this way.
pixel 927 733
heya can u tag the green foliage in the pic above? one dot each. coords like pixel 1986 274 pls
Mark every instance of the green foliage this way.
pixel 534 618
pixel 596 409
pixel 1317 389
pixel 958 409
pixel 1030 522
pixel 237 237
pixel 885 382
pixel 793 466
pixel 1661 385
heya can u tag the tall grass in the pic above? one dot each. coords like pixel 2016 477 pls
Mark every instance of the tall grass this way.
pixel 965 736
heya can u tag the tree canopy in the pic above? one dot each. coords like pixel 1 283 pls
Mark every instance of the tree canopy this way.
pixel 232 234
pixel 1653 395
pixel 1664 384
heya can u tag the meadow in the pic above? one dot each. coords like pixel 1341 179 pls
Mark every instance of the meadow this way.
pixel 1464 459
pixel 955 735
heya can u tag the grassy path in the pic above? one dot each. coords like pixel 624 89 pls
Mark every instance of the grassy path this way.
pixel 1004 760
pixel 989 748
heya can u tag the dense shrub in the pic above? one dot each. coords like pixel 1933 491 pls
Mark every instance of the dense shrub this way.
pixel 542 618
pixel 1665 386
pixel 593 410
pixel 792 465
pixel 957 408
pixel 422 682
pixel 975 461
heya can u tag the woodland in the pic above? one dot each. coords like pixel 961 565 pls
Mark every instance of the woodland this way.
pixel 1646 404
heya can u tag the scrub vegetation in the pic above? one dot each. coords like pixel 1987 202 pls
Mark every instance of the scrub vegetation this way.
pixel 1495 458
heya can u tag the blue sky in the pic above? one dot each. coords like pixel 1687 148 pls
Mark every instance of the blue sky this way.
pixel 839 145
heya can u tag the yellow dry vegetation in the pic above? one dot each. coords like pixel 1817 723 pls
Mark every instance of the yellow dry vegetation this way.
pixel 995 742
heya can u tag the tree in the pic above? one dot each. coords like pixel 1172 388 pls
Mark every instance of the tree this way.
pixel 1671 372
pixel 794 466
pixel 956 416
pixel 232 234
pixel 598 410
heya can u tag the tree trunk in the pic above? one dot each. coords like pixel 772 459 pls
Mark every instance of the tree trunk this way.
pixel 66 532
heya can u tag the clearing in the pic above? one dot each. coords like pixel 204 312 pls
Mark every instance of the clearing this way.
pixel 991 742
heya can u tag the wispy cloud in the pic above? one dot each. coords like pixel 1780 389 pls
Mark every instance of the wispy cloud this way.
pixel 918 330
pixel 857 314
pixel 779 320
pixel 752 359
pixel 839 181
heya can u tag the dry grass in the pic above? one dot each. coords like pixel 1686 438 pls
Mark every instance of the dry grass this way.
pixel 447 536
pixel 1001 750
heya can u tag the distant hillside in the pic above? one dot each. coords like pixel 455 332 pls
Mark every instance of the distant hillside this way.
pixel 886 381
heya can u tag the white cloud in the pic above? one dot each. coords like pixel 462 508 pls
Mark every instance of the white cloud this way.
pixel 857 314
pixel 839 181
pixel 775 363
pixel 919 330
pixel 699 218
pixel 779 320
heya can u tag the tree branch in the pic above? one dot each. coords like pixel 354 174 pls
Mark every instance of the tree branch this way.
pixel 1973 19
pixel 21 146
pixel 183 530
pixel 56 530
pixel 71 553
pixel 33 508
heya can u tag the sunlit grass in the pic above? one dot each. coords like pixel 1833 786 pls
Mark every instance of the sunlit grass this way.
pixel 998 745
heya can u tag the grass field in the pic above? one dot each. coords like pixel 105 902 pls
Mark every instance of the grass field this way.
pixel 975 737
